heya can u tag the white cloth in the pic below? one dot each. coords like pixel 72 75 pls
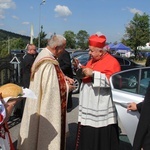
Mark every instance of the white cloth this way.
pixel 4 142
pixel 2 111
pixel 96 108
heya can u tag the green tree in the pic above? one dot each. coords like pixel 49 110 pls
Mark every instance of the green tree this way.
pixel 5 35
pixel 71 39
pixel 43 39
pixel 7 45
pixel 82 39
pixel 3 48
pixel 17 43
pixel 137 32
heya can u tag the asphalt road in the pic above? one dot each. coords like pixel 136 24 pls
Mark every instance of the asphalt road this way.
pixel 72 116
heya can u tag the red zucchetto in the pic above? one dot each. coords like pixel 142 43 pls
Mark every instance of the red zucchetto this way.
pixel 97 40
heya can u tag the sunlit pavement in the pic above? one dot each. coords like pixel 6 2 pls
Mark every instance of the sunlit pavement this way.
pixel 72 117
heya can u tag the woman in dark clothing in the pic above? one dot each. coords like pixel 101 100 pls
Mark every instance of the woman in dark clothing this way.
pixel 142 135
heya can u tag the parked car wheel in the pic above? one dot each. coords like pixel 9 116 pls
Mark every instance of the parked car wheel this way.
pixel 77 83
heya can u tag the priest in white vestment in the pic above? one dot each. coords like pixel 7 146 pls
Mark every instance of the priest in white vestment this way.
pixel 43 125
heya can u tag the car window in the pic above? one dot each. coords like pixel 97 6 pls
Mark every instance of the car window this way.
pixel 133 81
pixel 126 62
pixel 145 81
pixel 122 61
pixel 83 59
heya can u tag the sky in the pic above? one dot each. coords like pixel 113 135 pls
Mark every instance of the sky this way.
pixel 109 17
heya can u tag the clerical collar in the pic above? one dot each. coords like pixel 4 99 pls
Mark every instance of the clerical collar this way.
pixel 51 53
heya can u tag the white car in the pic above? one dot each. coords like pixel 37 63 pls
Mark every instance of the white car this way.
pixel 123 94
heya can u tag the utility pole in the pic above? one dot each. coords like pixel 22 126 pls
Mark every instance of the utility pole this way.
pixel 39 38
pixel 8 45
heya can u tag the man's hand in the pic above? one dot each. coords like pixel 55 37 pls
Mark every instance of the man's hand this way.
pixel 132 106
pixel 69 80
pixel 75 62
pixel 70 83
pixel 87 72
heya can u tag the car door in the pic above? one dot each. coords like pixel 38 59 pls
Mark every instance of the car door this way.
pixel 123 94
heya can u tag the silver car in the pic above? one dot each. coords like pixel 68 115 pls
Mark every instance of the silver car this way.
pixel 123 93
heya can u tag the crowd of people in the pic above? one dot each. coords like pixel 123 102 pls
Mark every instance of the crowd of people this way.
pixel 49 75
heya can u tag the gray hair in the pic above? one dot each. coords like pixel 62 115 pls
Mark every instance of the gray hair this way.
pixel 56 40
pixel 105 48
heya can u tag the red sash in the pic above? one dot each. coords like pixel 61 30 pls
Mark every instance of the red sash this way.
pixel 63 92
